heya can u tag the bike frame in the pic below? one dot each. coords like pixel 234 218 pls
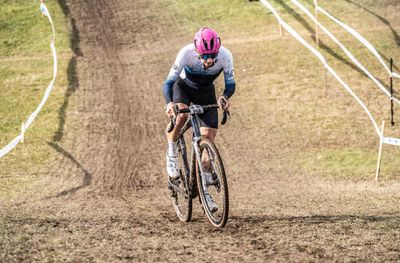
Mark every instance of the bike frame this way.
pixel 194 122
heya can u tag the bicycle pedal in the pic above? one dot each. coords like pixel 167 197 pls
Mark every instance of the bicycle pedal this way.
pixel 173 194
pixel 171 188
pixel 174 181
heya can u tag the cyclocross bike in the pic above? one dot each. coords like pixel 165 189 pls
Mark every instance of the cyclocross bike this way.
pixel 204 158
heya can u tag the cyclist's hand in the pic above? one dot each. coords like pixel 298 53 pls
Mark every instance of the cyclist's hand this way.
pixel 170 110
pixel 223 103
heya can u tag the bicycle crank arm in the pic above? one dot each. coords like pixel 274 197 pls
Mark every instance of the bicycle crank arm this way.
pixel 174 187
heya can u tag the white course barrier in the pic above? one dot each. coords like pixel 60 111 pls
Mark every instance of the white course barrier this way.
pixel 361 39
pixel 392 141
pixel 29 121
pixel 324 62
pixel 348 53
pixel 382 139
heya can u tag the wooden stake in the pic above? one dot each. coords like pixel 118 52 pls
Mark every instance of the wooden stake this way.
pixel 326 82
pixel 280 30
pixel 22 133
pixel 316 24
pixel 378 168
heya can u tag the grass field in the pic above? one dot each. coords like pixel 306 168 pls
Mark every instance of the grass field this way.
pixel 26 67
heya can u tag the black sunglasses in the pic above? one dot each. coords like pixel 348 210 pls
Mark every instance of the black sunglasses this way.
pixel 207 56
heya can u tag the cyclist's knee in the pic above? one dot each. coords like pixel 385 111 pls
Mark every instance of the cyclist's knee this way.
pixel 180 120
pixel 208 133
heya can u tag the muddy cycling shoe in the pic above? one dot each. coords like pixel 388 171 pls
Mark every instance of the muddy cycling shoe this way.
pixel 210 178
pixel 207 179
pixel 172 167
pixel 210 203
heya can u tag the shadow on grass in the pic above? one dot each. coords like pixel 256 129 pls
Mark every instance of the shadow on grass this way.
pixel 311 29
pixel 396 36
pixel 73 80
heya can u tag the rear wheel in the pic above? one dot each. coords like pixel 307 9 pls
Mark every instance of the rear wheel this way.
pixel 180 196
pixel 217 186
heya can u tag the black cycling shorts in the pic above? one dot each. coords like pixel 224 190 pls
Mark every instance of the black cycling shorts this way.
pixel 182 93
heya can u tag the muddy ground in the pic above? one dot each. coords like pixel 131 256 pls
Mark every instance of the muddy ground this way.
pixel 105 199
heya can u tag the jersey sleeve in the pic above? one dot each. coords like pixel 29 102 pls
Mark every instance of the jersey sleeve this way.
pixel 230 84
pixel 173 75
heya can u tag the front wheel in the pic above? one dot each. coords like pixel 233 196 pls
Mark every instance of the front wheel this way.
pixel 180 195
pixel 215 184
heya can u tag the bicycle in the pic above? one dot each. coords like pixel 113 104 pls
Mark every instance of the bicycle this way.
pixel 204 157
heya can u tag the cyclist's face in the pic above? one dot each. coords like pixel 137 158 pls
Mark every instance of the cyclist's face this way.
pixel 208 59
pixel 207 62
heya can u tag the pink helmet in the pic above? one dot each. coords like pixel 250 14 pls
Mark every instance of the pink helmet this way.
pixel 206 41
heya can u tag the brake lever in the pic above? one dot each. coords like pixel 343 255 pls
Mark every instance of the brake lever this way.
pixel 225 116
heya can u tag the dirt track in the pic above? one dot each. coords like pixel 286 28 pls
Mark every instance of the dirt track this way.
pixel 105 200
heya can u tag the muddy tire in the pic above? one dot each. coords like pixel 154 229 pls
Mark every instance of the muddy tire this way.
pixel 219 185
pixel 181 199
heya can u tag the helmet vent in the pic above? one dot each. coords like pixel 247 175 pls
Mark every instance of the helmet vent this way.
pixel 205 44
pixel 212 43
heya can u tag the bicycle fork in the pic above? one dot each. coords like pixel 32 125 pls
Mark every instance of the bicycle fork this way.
pixel 196 141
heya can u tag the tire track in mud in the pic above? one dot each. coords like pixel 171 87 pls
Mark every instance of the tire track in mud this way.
pixel 126 97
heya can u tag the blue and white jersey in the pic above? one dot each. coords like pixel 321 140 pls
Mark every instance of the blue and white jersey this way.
pixel 189 67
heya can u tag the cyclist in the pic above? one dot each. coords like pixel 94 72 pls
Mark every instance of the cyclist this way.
pixel 190 80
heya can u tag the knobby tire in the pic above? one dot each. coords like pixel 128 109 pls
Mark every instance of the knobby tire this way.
pixel 217 221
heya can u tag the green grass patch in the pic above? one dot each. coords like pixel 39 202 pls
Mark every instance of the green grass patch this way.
pixel 353 163
pixel 223 15
pixel 25 32
pixel 26 68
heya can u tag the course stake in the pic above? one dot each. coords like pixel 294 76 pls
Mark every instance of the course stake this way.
pixel 22 132
pixel 378 168
pixel 391 92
